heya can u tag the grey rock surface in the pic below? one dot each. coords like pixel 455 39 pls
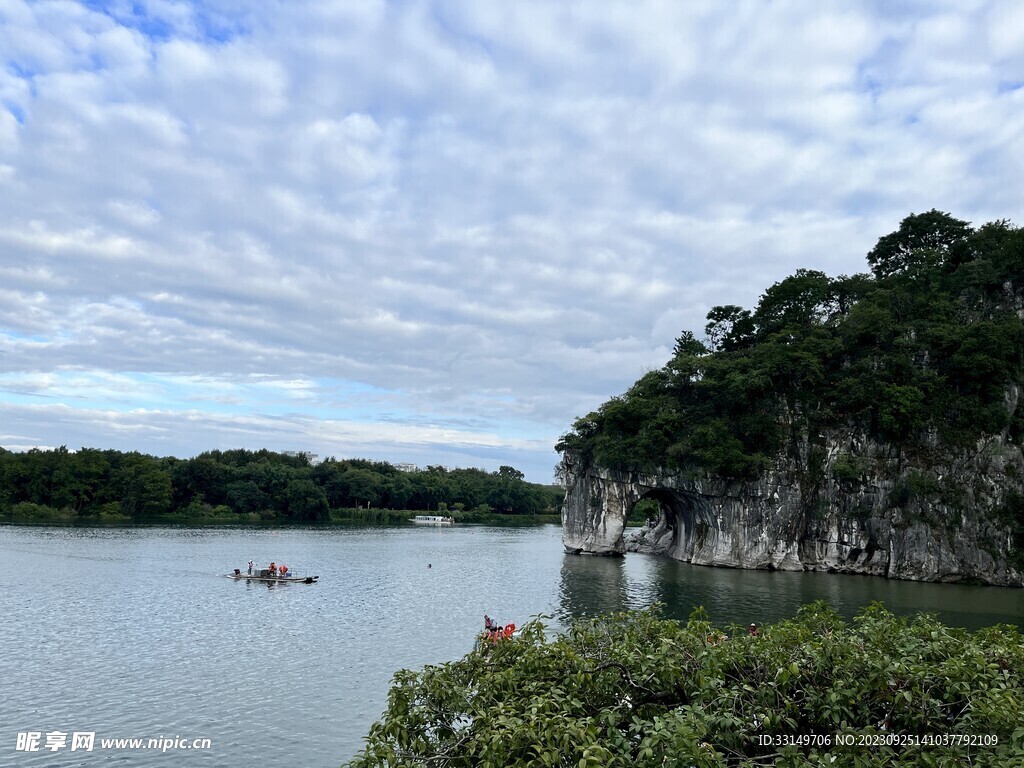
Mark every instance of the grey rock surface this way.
pixel 842 503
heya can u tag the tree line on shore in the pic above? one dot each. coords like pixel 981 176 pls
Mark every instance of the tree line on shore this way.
pixel 248 486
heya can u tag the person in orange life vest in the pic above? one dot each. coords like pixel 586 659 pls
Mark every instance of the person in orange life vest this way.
pixel 283 570
pixel 273 569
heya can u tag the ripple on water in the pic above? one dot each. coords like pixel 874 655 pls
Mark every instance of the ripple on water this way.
pixel 135 633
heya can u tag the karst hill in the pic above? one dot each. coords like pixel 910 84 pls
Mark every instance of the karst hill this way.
pixel 865 424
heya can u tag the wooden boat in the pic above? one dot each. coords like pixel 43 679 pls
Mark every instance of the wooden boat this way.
pixel 432 520
pixel 491 636
pixel 264 575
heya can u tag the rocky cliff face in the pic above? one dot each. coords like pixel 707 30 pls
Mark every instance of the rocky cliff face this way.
pixel 839 503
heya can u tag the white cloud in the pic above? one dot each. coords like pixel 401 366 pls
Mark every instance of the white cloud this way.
pixel 498 215
pixel 133 212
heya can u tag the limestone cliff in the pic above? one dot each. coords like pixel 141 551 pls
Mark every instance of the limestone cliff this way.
pixel 838 503
pixel 864 424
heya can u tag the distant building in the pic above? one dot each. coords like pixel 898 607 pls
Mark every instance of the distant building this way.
pixel 406 467
pixel 312 458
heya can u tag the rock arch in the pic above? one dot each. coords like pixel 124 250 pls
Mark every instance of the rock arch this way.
pixel 699 521
pixel 774 522
pixel 684 522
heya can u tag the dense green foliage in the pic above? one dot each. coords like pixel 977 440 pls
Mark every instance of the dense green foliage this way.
pixel 921 349
pixel 636 690
pixel 247 486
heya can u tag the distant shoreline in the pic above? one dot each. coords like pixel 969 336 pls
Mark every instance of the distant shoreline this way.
pixel 339 518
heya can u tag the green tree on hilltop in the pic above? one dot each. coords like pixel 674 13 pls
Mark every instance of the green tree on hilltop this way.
pixel 927 344
pixel 923 242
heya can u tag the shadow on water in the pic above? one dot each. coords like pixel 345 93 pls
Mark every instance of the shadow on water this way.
pixel 595 585
pixel 135 631
pixel 592 586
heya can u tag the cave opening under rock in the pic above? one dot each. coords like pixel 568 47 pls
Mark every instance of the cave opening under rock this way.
pixel 684 515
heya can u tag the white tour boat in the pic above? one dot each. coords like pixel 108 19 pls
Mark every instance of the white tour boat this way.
pixel 433 520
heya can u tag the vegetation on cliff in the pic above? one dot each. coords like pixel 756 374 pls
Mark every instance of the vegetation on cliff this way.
pixel 636 690
pixel 247 486
pixel 924 355
pixel 918 353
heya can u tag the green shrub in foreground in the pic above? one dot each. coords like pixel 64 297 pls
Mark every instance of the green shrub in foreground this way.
pixel 636 690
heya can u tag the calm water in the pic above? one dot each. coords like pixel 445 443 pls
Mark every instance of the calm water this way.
pixel 134 633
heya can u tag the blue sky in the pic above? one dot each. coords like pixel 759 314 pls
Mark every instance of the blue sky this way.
pixel 437 232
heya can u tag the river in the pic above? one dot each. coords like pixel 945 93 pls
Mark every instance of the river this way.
pixel 134 633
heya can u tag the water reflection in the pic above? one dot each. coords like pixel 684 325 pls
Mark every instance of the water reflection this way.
pixel 594 585
pixel 136 632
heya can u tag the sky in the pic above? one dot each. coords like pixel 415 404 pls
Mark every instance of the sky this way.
pixel 439 232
